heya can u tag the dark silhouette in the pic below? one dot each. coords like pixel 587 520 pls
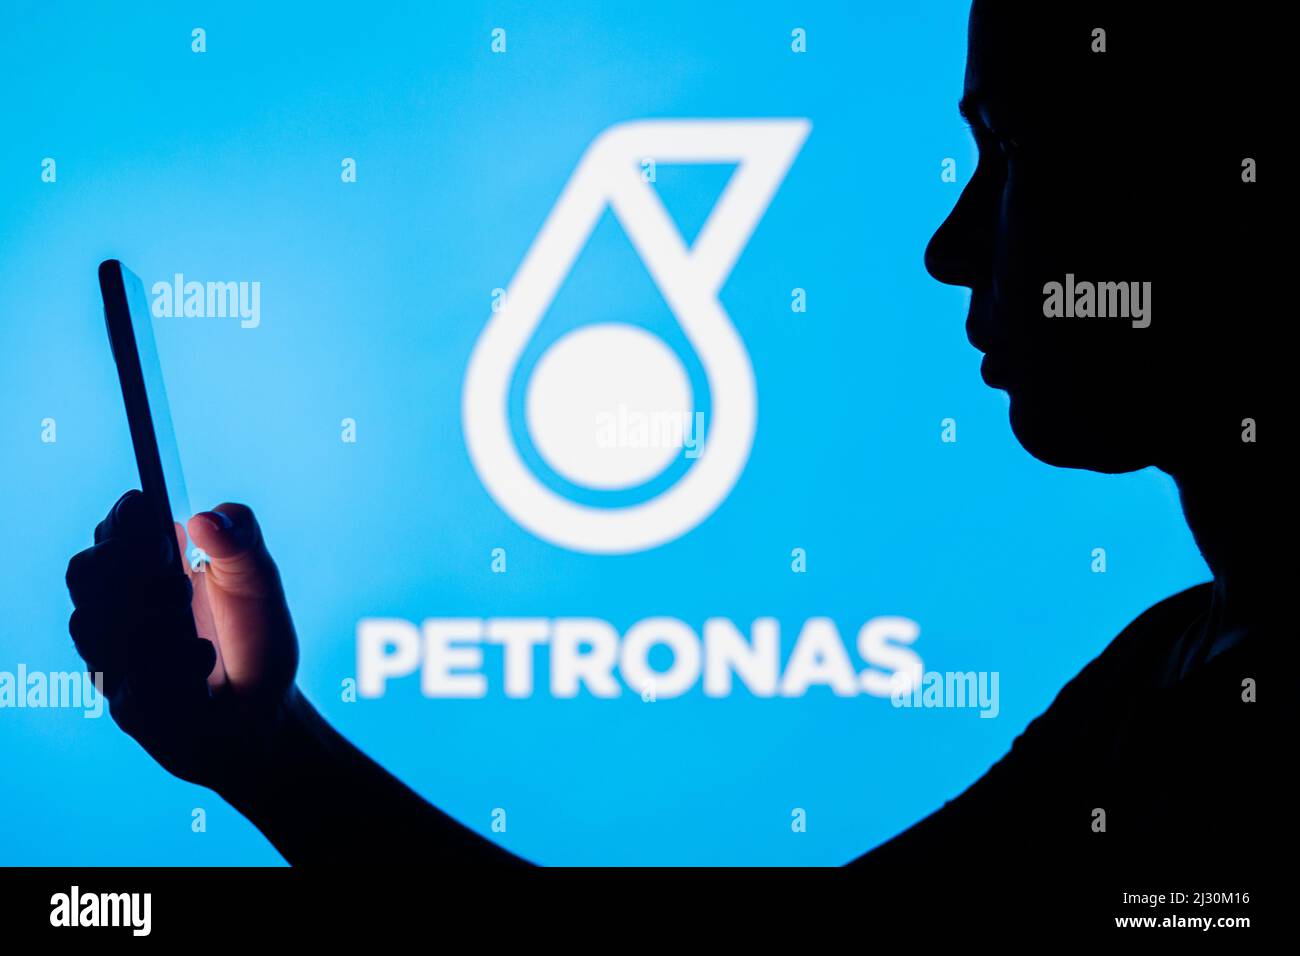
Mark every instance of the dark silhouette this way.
pixel 1123 165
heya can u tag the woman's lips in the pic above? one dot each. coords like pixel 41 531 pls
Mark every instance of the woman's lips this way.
pixel 1003 364
pixel 997 372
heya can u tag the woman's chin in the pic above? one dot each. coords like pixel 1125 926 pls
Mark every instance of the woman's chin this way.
pixel 1064 432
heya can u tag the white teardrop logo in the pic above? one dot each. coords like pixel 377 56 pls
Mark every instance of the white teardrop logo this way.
pixel 610 174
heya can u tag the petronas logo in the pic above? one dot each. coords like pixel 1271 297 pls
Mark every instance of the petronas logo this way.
pixel 609 175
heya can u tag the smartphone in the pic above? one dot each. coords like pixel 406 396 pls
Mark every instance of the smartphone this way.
pixel 130 336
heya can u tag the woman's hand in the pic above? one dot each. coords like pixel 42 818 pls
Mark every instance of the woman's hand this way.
pixel 205 709
pixel 225 712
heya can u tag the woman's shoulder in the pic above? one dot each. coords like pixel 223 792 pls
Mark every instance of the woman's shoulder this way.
pixel 1127 668
pixel 1144 644
pixel 1155 630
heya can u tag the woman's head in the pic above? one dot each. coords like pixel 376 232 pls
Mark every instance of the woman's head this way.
pixel 1110 181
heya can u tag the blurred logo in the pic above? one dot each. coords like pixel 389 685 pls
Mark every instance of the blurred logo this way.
pixel 611 175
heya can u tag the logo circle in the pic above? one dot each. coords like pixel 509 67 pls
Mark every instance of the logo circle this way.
pixel 608 406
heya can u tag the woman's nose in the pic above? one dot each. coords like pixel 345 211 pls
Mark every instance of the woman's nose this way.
pixel 960 251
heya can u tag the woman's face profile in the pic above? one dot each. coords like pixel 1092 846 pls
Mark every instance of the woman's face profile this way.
pixel 1075 191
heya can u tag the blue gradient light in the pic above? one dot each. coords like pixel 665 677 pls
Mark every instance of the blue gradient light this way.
pixel 225 166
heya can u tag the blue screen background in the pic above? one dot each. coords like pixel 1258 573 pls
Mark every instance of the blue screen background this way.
pixel 225 166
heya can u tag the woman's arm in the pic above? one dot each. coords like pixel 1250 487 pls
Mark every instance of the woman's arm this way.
pixel 320 800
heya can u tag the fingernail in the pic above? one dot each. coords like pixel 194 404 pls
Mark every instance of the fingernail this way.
pixel 129 509
pixel 217 519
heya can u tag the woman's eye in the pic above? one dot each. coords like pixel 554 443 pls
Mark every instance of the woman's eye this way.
pixel 1009 145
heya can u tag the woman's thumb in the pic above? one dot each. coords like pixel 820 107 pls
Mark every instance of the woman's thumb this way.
pixel 239 563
